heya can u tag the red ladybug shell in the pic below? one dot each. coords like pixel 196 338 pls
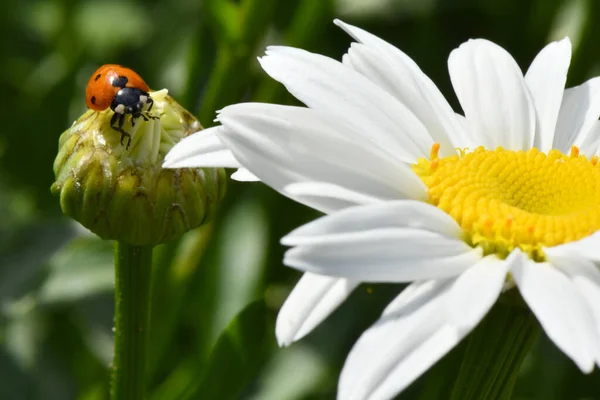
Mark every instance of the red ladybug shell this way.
pixel 99 92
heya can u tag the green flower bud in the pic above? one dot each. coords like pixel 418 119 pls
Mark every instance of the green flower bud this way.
pixel 123 193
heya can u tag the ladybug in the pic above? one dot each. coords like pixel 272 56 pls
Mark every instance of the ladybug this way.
pixel 124 91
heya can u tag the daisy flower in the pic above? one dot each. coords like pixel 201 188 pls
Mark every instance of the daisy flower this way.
pixel 505 196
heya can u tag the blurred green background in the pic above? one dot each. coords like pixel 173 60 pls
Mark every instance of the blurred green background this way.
pixel 56 278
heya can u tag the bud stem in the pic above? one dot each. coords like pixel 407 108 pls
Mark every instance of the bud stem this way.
pixel 495 351
pixel 133 271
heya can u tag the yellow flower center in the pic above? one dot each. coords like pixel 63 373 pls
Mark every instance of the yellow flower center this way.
pixel 505 199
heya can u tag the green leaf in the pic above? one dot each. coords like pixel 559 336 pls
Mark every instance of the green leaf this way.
pixel 225 16
pixel 238 355
pixel 22 264
pixel 242 252
pixel 80 269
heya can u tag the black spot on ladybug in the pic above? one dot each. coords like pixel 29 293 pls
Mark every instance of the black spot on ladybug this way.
pixel 97 77
pixel 120 82
pixel 93 99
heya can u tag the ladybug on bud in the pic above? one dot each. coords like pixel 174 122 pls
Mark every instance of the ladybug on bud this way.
pixel 124 91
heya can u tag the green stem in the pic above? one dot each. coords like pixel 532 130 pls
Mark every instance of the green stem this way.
pixel 133 271
pixel 495 351
pixel 231 73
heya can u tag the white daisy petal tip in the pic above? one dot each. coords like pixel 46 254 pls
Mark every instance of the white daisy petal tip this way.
pixel 243 175
pixel 478 46
pixel 311 301
pixel 216 159
pixel 168 164
pixel 201 149
pixel 473 42
pixel 344 26
pixel 277 49
pixel 283 341
pixel 356 33
pixel 566 42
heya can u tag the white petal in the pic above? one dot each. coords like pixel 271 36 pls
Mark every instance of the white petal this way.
pixel 559 308
pixel 201 149
pixel 372 257
pixel 422 357
pixel 407 323
pixel 590 146
pixel 314 297
pixel 328 85
pixel 416 295
pixel 546 79
pixel 399 75
pixel 392 214
pixel 579 111
pixel 584 248
pixel 346 60
pixel 388 242
pixel 586 278
pixel 243 175
pixel 408 339
pixel 475 291
pixel 493 95
pixel 307 192
pixel 283 145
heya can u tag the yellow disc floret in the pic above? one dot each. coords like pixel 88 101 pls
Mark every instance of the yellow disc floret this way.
pixel 505 199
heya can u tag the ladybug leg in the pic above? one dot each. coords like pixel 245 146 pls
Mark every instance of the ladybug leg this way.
pixel 116 122
pixel 151 103
pixel 135 116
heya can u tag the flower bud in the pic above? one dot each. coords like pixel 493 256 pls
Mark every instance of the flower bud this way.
pixel 121 192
